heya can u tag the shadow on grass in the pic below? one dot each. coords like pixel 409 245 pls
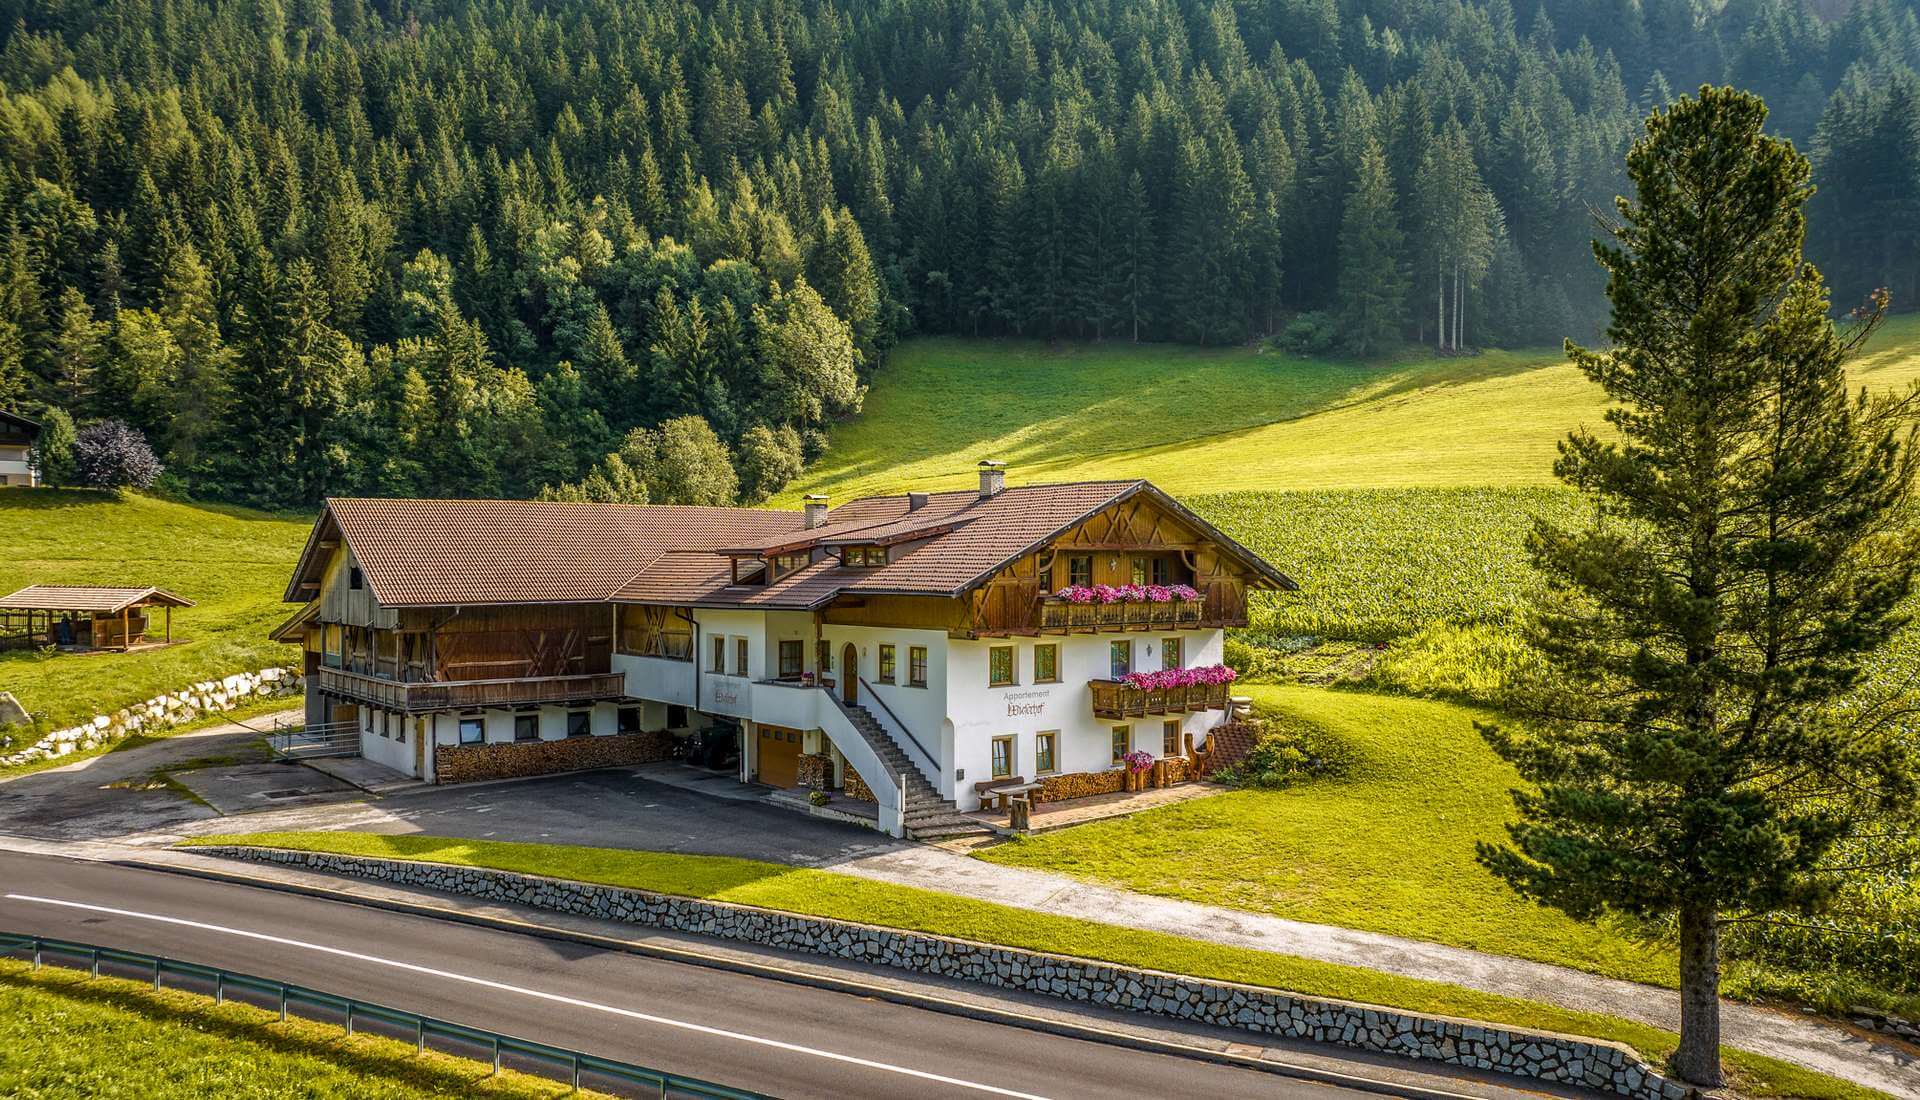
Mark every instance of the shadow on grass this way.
pixel 364 1056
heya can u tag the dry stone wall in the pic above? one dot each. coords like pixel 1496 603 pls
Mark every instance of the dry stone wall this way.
pixel 159 713
pixel 1541 1056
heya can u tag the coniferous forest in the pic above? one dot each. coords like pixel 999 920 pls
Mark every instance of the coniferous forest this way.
pixel 650 249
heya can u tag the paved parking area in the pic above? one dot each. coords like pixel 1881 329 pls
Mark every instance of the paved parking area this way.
pixel 613 808
pixel 250 788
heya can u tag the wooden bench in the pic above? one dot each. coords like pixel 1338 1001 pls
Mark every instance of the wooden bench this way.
pixel 996 793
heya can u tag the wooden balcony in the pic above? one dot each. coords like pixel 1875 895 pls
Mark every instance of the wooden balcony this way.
pixel 1059 616
pixel 437 695
pixel 1116 699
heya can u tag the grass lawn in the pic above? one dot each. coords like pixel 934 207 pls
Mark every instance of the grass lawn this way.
pixel 63 1035
pixel 826 894
pixel 1219 420
pixel 232 563
pixel 1389 847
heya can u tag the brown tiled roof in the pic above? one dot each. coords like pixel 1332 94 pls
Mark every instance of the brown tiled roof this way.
pixel 75 597
pixel 439 553
pixel 446 552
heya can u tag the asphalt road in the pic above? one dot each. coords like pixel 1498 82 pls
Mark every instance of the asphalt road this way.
pixel 770 1036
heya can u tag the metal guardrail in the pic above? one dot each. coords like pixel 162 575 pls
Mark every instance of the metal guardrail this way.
pixel 574 1063
pixel 301 742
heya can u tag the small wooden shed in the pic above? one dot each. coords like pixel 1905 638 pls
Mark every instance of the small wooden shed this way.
pixel 85 616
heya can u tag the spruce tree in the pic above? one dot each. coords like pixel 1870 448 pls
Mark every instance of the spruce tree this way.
pixel 1373 289
pixel 1687 754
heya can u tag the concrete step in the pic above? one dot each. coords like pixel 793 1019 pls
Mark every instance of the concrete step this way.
pixel 948 830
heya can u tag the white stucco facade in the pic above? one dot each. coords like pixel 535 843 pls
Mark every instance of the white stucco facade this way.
pixel 16 466
pixel 950 710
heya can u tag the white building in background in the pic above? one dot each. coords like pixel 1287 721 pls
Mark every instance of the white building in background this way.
pixel 17 438
pixel 910 652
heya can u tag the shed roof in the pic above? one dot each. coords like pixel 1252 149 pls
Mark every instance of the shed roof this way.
pixel 74 597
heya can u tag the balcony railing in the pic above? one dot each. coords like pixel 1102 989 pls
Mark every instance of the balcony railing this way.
pixel 433 695
pixel 1062 615
pixel 1116 699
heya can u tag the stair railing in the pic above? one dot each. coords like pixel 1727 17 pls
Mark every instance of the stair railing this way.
pixel 928 763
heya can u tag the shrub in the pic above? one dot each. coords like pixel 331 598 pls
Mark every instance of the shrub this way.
pixel 1309 334
pixel 108 454
pixel 53 452
pixel 819 798
pixel 1287 751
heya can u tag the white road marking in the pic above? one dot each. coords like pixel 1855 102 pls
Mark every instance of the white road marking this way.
pixel 554 997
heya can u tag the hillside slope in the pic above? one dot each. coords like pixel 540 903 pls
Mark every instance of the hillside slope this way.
pixel 1210 421
pixel 232 563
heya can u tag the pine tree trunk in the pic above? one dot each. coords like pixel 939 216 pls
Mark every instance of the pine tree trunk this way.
pixel 1458 306
pixel 1698 1059
pixel 1440 303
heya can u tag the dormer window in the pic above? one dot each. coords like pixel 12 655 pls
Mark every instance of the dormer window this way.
pixel 790 563
pixel 863 557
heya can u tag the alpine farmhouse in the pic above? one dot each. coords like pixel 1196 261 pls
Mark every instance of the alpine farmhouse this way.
pixel 912 651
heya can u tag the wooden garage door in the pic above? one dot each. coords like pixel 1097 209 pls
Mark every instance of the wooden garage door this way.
pixel 779 756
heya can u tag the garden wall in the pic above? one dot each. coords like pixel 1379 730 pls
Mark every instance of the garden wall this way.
pixel 517 759
pixel 160 712
pixel 1538 1055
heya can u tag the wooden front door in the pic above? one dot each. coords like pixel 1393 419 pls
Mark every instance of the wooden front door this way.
pixel 779 762
pixel 850 674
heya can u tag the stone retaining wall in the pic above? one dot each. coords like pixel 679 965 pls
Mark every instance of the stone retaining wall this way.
pixel 1539 1055
pixel 516 759
pixel 160 712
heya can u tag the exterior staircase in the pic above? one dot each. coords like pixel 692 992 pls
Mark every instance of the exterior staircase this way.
pixel 928 816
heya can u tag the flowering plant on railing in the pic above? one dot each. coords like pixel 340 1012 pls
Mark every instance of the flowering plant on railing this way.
pixel 1138 760
pixel 1179 678
pixel 1127 593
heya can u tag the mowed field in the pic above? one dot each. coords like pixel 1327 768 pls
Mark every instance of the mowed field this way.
pixel 1211 421
pixel 232 563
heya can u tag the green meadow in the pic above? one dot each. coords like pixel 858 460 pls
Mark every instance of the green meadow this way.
pixel 232 563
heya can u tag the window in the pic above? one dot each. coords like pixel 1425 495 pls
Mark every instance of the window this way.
pixel 1122 744
pixel 793 658
pixel 1170 739
pixel 1172 652
pixel 1002 757
pixel 1046 664
pixel 676 717
pixel 886 664
pixel 1080 570
pixel 1000 666
pixel 917 666
pixel 1119 659
pixel 790 563
pixel 1162 571
pixel 1139 570
pixel 1044 762
pixel 526 727
pixel 864 557
pixel 823 656
pixel 719 653
pixel 629 720
pixel 579 723
pixel 739 656
pixel 472 731
pixel 355 579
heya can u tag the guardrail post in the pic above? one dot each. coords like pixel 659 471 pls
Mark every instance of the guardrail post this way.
pixel 93 970
pixel 349 1017
pixel 576 1071
pixel 220 987
pixel 419 1034
pixel 496 1055
pixel 283 1002
pixel 36 952
pixel 156 973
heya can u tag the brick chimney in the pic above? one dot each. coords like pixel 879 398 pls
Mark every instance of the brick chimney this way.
pixel 993 478
pixel 816 510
